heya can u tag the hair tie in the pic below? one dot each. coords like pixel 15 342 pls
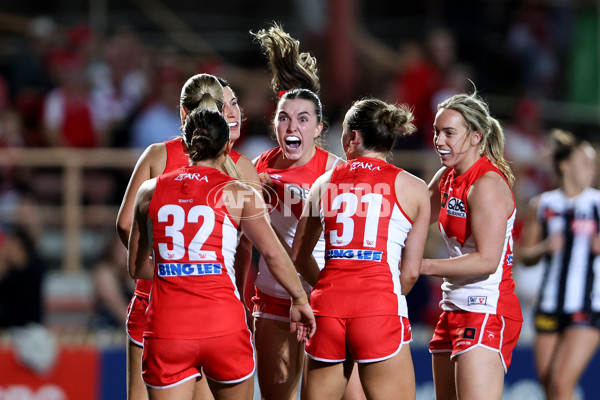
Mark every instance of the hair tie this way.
pixel 282 92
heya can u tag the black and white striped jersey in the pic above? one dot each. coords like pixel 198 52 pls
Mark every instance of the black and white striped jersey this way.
pixel 571 281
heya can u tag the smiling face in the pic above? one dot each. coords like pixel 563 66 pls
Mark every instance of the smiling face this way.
pixel 296 127
pixel 233 114
pixel 456 146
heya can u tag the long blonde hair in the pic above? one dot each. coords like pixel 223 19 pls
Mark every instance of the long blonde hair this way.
pixel 477 117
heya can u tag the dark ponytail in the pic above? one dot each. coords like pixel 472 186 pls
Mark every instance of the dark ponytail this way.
pixel 206 132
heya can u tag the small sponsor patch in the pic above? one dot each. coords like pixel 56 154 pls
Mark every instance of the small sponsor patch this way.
pixel 466 333
pixel 477 300
pixel 351 254
pixel 456 208
pixel 470 333
pixel 581 317
pixel 178 269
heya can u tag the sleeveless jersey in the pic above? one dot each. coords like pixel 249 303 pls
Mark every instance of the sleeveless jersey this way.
pixel 493 293
pixel 177 157
pixel 193 242
pixel 235 156
pixel 571 281
pixel 365 230
pixel 286 200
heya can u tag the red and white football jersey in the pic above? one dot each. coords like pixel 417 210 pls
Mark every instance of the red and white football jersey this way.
pixel 177 157
pixel 286 200
pixel 493 293
pixel 365 230
pixel 193 242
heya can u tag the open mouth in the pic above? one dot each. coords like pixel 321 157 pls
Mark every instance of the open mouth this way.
pixel 443 152
pixel 232 124
pixel 292 142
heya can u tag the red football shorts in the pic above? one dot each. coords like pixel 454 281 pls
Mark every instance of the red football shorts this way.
pixel 269 307
pixel 225 359
pixel 136 313
pixel 461 331
pixel 364 339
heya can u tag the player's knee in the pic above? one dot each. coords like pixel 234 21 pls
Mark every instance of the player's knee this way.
pixel 560 387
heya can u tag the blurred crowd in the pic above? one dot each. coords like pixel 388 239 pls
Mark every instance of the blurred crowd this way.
pixel 69 86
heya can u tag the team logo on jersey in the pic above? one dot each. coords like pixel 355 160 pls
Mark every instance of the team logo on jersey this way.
pixel 340 254
pixel 477 300
pixel 297 192
pixel 456 208
pixel 444 200
pixel 176 269
pixel 584 226
pixel 364 165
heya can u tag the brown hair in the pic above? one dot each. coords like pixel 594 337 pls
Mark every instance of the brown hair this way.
pixel 291 69
pixel 380 122
pixel 206 132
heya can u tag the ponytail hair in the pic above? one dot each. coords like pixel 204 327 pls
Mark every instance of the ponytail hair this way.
pixel 477 117
pixel 206 133
pixel 290 68
pixel 379 122
pixel 202 91
pixel 295 74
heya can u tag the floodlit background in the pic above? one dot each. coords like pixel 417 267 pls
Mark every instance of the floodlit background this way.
pixel 85 86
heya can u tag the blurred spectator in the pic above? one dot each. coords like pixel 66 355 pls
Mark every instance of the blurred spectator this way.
pixel 418 69
pixel 29 75
pixel 119 84
pixel 258 111
pixel 527 148
pixel 113 288
pixel 531 41
pixel 457 80
pixel 11 129
pixel 415 85
pixel 159 120
pixel 21 275
pixel 68 119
